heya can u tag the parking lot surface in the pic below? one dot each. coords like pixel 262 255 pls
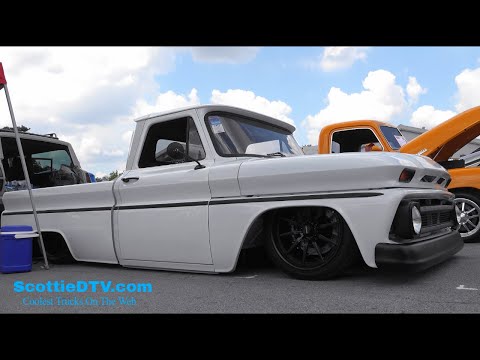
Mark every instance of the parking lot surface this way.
pixel 255 287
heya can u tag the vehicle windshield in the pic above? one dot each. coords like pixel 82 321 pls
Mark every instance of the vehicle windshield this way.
pixel 233 135
pixel 393 136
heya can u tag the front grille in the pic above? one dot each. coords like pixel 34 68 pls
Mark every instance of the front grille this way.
pixel 436 218
pixel 436 214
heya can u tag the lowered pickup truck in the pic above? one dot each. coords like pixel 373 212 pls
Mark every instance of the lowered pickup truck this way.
pixel 203 183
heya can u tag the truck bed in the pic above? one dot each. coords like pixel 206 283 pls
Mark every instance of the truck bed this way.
pixel 84 210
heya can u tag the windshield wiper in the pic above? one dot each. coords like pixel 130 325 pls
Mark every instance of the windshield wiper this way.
pixel 278 153
pixel 252 155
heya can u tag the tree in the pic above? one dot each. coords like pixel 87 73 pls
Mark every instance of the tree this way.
pixel 112 176
pixel 21 128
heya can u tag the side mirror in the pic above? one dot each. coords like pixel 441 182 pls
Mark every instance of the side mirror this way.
pixel 175 151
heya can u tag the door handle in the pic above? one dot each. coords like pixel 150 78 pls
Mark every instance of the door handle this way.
pixel 127 179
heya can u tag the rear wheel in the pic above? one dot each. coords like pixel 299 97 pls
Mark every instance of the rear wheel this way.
pixel 467 207
pixel 310 243
pixel 57 250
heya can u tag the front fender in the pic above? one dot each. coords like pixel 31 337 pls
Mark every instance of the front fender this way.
pixel 369 219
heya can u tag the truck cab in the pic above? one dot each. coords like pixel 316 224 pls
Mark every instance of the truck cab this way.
pixel 360 136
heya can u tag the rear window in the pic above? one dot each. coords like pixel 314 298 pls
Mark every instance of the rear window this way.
pixel 53 160
pixel 48 164
pixel 393 136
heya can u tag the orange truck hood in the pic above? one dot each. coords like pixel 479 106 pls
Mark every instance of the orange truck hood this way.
pixel 445 139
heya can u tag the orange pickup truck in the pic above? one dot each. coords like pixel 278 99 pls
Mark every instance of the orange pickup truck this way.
pixel 439 143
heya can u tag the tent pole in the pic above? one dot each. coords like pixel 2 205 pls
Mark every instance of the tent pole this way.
pixel 27 177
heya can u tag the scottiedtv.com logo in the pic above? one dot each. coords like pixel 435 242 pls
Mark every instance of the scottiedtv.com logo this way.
pixel 81 286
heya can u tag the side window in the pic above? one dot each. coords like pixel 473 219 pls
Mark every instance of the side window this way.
pixel 355 140
pixel 48 164
pixel 182 131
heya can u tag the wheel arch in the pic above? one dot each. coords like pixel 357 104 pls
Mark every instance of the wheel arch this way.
pixel 261 217
pixel 465 189
pixel 50 233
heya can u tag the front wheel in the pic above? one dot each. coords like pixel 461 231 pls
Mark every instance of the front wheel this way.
pixel 310 243
pixel 467 207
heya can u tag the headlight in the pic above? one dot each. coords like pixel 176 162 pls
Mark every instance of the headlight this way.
pixel 408 220
pixel 416 220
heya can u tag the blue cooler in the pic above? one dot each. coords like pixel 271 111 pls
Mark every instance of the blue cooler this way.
pixel 16 248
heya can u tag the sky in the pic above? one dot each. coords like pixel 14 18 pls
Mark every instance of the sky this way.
pixel 89 96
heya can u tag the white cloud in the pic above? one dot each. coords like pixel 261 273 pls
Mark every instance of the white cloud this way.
pixel 166 101
pixel 127 136
pixel 381 99
pixel 338 57
pixel 87 95
pixel 428 117
pixel 222 54
pixel 113 152
pixel 468 84
pixel 99 147
pixel 248 100
pixel 414 89
pixel 100 174
pixel 78 84
pixel 467 96
pixel 92 84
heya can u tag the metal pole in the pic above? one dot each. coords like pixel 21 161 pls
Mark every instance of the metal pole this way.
pixel 27 177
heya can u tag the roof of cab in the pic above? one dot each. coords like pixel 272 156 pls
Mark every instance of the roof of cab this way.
pixel 32 136
pixel 354 123
pixel 226 108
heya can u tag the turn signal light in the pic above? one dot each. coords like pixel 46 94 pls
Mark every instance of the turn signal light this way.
pixel 406 175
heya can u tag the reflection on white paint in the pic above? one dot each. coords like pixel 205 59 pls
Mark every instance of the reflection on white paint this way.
pixel 462 287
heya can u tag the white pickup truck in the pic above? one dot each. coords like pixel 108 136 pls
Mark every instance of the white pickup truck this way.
pixel 203 183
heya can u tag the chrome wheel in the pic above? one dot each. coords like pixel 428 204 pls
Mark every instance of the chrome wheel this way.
pixel 468 216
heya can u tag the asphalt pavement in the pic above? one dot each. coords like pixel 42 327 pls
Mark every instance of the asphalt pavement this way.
pixel 255 287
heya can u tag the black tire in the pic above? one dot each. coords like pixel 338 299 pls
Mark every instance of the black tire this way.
pixel 57 250
pixel 469 201
pixel 312 257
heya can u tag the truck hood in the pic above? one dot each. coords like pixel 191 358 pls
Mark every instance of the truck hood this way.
pixel 445 139
pixel 348 171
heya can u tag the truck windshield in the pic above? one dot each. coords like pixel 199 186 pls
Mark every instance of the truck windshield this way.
pixel 393 136
pixel 233 136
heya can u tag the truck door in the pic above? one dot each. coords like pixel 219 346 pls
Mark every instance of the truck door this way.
pixel 162 203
